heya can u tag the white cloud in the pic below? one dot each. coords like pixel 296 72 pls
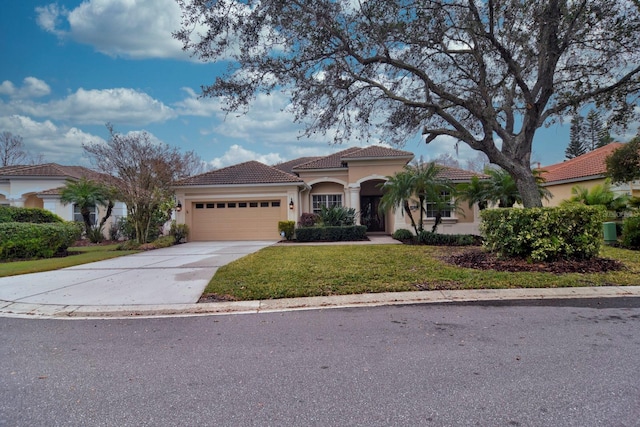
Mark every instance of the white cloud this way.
pixel 31 88
pixel 129 28
pixel 237 154
pixel 119 105
pixel 59 144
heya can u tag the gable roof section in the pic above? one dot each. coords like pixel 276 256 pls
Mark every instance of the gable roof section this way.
pixel 251 172
pixel 338 160
pixel 50 170
pixel 288 166
pixel 591 164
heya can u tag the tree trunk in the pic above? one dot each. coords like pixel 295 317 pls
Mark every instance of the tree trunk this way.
pixel 528 188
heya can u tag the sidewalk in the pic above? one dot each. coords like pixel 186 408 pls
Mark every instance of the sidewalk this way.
pixel 49 311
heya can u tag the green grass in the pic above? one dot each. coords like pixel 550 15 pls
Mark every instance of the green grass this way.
pixel 77 255
pixel 296 271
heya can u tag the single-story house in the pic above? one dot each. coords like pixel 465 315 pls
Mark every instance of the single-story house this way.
pixel 587 171
pixel 39 186
pixel 246 201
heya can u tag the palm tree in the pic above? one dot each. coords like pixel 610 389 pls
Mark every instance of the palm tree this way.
pixel 431 188
pixel 501 188
pixel 475 191
pixel 86 194
pixel 398 190
pixel 600 194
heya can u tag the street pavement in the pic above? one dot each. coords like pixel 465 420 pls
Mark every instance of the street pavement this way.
pixel 169 282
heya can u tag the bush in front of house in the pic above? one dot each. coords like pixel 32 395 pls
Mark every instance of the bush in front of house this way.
pixel 631 232
pixel 331 234
pixel 288 228
pixel 308 219
pixel 436 239
pixel 32 215
pixel 403 235
pixel 180 232
pixel 544 234
pixel 335 216
pixel 19 240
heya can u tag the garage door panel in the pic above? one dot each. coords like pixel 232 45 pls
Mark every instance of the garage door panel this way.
pixel 223 221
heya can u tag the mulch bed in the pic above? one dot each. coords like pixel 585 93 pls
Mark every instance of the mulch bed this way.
pixel 483 260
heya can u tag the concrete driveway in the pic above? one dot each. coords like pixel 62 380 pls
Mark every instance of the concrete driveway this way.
pixel 175 275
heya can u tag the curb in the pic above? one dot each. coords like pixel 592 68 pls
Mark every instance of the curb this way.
pixel 49 311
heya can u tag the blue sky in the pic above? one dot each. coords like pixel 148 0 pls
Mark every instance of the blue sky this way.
pixel 70 67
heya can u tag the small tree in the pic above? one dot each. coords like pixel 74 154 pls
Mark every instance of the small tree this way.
pixel 86 194
pixel 623 165
pixel 576 141
pixel 147 171
pixel 12 150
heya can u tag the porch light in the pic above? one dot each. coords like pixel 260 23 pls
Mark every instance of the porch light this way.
pixel 291 204
pixel 178 206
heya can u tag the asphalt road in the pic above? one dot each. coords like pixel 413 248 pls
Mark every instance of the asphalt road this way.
pixel 564 363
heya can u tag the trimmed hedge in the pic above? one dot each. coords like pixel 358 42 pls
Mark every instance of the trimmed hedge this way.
pixel 631 232
pixel 436 239
pixel 544 234
pixel 23 240
pixel 288 227
pixel 402 234
pixel 331 234
pixel 33 215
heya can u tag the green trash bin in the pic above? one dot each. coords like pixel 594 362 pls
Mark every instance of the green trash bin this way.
pixel 610 235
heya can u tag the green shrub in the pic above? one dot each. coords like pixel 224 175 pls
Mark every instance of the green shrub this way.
pixel 336 216
pixel 331 234
pixel 128 245
pixel 544 234
pixel 288 228
pixel 308 219
pixel 179 232
pixel 402 234
pixel 26 240
pixel 114 231
pixel 33 215
pixel 436 239
pixel 95 234
pixel 164 242
pixel 126 227
pixel 631 232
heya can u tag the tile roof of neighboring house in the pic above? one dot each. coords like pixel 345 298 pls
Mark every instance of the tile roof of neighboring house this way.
pixel 251 172
pixel 591 164
pixel 337 160
pixel 459 175
pixel 50 170
pixel 288 166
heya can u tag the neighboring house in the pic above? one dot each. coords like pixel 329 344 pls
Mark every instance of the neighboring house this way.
pixel 246 201
pixel 39 186
pixel 587 171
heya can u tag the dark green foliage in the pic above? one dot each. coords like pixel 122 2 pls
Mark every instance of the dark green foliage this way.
pixel 576 145
pixel 33 215
pixel 623 165
pixel 631 232
pixel 331 234
pixel 308 219
pixel 25 240
pixel 180 232
pixel 288 227
pixel 164 242
pixel 544 234
pixel 114 231
pixel 95 234
pixel 435 239
pixel 403 234
pixel 127 228
pixel 337 216
pixel 128 245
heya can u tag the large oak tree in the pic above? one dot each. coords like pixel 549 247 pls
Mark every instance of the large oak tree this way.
pixel 488 73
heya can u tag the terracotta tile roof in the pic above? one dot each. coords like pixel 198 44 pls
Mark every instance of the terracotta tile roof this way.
pixel 591 164
pixel 459 175
pixel 54 170
pixel 288 166
pixel 251 172
pixel 333 161
pixel 338 160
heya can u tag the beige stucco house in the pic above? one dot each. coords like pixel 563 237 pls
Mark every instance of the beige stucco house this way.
pixel 587 171
pixel 246 201
pixel 38 186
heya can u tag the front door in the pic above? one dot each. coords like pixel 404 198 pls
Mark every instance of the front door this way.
pixel 369 213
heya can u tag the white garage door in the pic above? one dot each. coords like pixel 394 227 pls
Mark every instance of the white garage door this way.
pixel 237 220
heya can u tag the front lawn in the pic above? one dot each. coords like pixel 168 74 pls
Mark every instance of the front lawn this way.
pixel 77 255
pixel 298 271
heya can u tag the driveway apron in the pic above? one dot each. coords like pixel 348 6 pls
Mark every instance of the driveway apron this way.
pixel 174 275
